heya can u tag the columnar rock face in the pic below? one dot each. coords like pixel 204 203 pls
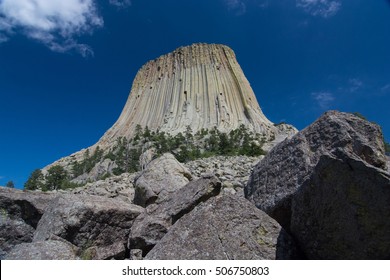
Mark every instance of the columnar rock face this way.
pixel 201 86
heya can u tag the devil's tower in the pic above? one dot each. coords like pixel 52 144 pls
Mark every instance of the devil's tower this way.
pixel 201 86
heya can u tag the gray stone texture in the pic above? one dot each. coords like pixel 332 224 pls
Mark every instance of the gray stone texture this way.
pixel 153 224
pixel 42 250
pixel 343 211
pixel 87 221
pixel 225 227
pixel 162 176
pixel 281 173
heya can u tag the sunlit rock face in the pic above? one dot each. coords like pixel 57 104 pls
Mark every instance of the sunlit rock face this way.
pixel 201 86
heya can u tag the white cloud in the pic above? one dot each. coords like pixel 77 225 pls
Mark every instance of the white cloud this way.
pixel 55 23
pixel 236 6
pixel 323 98
pixel 322 8
pixel 120 3
pixel 386 88
pixel 240 7
pixel 355 84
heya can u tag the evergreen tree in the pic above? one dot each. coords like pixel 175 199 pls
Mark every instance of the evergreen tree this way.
pixel 225 146
pixel 387 147
pixel 137 133
pixel 56 175
pixel 34 181
pixel 10 184
pixel 147 133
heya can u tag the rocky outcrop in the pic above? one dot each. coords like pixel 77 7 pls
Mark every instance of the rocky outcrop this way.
pixel 162 176
pixel 43 250
pixel 20 212
pixel 281 173
pixel 224 228
pixel 153 224
pixel 120 187
pixel 87 221
pixel 342 211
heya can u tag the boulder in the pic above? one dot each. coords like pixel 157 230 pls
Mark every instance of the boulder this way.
pixel 42 250
pixel 13 232
pixel 343 211
pixel 20 212
pixel 153 224
pixel 87 221
pixel 222 228
pixel 25 205
pixel 280 174
pixel 162 176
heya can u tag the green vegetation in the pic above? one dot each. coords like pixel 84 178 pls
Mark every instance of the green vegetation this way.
pixel 88 162
pixel 10 184
pixel 126 153
pixel 359 115
pixel 387 147
pixel 35 180
pixel 56 178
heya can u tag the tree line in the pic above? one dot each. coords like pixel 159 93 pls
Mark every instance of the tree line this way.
pixel 185 146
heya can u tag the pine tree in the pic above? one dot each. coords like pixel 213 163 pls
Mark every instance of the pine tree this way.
pixel 10 184
pixel 56 175
pixel 34 181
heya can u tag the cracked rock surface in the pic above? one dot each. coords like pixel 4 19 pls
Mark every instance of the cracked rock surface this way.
pixel 153 224
pixel 87 221
pixel 225 227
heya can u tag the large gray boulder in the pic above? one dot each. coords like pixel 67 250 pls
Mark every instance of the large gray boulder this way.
pixel 162 176
pixel 25 205
pixel 153 224
pixel 20 212
pixel 281 173
pixel 87 221
pixel 343 211
pixel 225 227
pixel 13 232
pixel 43 250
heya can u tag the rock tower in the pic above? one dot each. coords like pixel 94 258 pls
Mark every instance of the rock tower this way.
pixel 201 86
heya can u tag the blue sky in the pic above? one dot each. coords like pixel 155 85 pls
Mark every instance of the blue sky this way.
pixel 66 67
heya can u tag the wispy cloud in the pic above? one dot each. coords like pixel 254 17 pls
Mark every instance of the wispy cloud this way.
pixel 238 7
pixel 355 84
pixel 55 23
pixel 323 98
pixel 385 88
pixel 120 3
pixel 321 8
